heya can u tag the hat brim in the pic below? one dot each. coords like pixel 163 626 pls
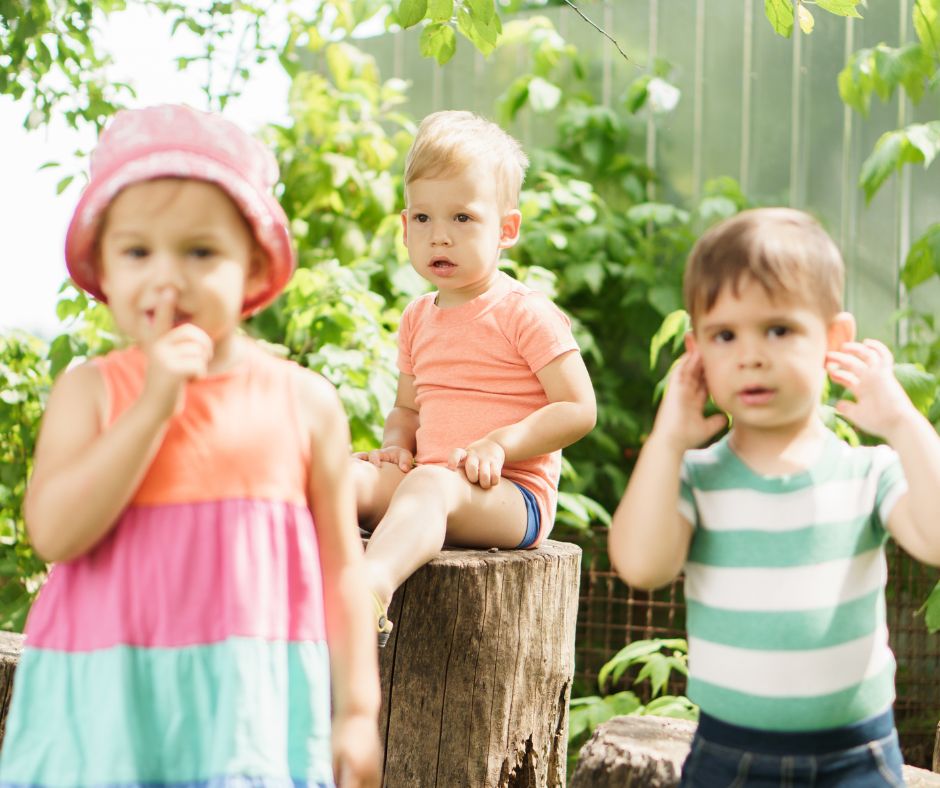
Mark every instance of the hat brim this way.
pixel 263 213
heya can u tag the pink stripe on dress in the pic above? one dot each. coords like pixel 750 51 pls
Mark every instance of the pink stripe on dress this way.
pixel 186 574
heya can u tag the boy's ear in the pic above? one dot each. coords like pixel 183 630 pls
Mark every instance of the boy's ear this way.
pixel 690 343
pixel 404 226
pixel 509 229
pixel 841 330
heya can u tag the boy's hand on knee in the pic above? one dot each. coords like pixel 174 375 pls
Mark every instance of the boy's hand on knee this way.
pixel 482 462
pixel 396 455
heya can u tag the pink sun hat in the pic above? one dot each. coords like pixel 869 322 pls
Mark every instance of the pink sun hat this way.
pixel 175 141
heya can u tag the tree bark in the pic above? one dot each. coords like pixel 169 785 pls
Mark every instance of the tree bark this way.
pixel 11 644
pixel 650 751
pixel 477 674
pixel 936 751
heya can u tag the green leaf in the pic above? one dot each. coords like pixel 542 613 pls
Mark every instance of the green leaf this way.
pixel 485 10
pixel 890 152
pixel 856 82
pixel 780 15
pixel 657 670
pixel 919 384
pixel 675 706
pixel 927 25
pixel 657 213
pixel 438 40
pixel 807 23
pixel 931 610
pixel 925 137
pixel 410 12
pixel 483 35
pixel 923 259
pixel 637 93
pixel 441 10
pixel 61 353
pixel 840 7
pixel 543 95
pixel 673 329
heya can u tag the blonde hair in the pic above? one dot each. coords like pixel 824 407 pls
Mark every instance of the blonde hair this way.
pixel 782 249
pixel 448 142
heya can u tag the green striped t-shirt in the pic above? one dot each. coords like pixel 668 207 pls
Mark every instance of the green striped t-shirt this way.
pixel 784 586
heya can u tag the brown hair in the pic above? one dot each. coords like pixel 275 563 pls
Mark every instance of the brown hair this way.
pixel 448 142
pixel 784 250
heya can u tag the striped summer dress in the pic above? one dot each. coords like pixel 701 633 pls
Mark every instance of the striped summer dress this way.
pixel 188 647
pixel 784 587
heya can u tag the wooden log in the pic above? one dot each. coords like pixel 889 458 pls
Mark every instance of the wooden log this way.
pixel 11 644
pixel 476 676
pixel 650 751
pixel 936 750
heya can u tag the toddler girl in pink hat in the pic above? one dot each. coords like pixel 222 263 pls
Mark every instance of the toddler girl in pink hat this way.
pixel 194 495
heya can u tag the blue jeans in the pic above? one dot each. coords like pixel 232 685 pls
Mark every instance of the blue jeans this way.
pixel 863 755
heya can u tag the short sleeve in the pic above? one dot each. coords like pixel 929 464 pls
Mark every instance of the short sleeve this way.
pixel 541 331
pixel 892 484
pixel 405 336
pixel 687 506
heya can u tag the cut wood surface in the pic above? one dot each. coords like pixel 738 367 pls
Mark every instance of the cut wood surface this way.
pixel 650 751
pixel 477 674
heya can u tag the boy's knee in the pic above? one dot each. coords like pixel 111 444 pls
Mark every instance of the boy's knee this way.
pixel 434 476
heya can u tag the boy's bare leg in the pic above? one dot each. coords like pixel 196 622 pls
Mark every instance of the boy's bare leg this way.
pixel 431 505
pixel 375 487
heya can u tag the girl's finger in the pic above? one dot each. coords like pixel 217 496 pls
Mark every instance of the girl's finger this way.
pixel 163 311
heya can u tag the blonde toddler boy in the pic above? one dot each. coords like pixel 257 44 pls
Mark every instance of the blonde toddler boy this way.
pixel 491 384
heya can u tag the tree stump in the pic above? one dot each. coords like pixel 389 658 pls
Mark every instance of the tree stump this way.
pixel 936 751
pixel 476 676
pixel 11 644
pixel 634 751
pixel 650 751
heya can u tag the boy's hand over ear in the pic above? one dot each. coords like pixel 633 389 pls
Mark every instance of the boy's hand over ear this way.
pixel 680 419
pixel 866 369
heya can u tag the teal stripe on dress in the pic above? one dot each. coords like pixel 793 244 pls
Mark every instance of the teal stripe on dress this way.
pixel 125 715
pixel 821 543
pixel 872 696
pixel 788 631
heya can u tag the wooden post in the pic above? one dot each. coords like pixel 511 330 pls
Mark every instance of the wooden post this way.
pixel 936 751
pixel 477 674
pixel 11 644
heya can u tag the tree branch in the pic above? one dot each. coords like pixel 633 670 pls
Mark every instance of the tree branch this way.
pixel 604 33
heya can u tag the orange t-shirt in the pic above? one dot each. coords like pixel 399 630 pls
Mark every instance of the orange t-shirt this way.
pixel 474 367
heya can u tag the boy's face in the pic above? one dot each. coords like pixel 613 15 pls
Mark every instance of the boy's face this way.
pixel 764 358
pixel 454 228
pixel 185 236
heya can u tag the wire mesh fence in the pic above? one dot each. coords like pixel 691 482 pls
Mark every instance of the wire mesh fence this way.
pixel 611 614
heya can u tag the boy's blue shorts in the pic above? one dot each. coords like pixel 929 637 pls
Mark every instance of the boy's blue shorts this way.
pixel 533 518
pixel 863 755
